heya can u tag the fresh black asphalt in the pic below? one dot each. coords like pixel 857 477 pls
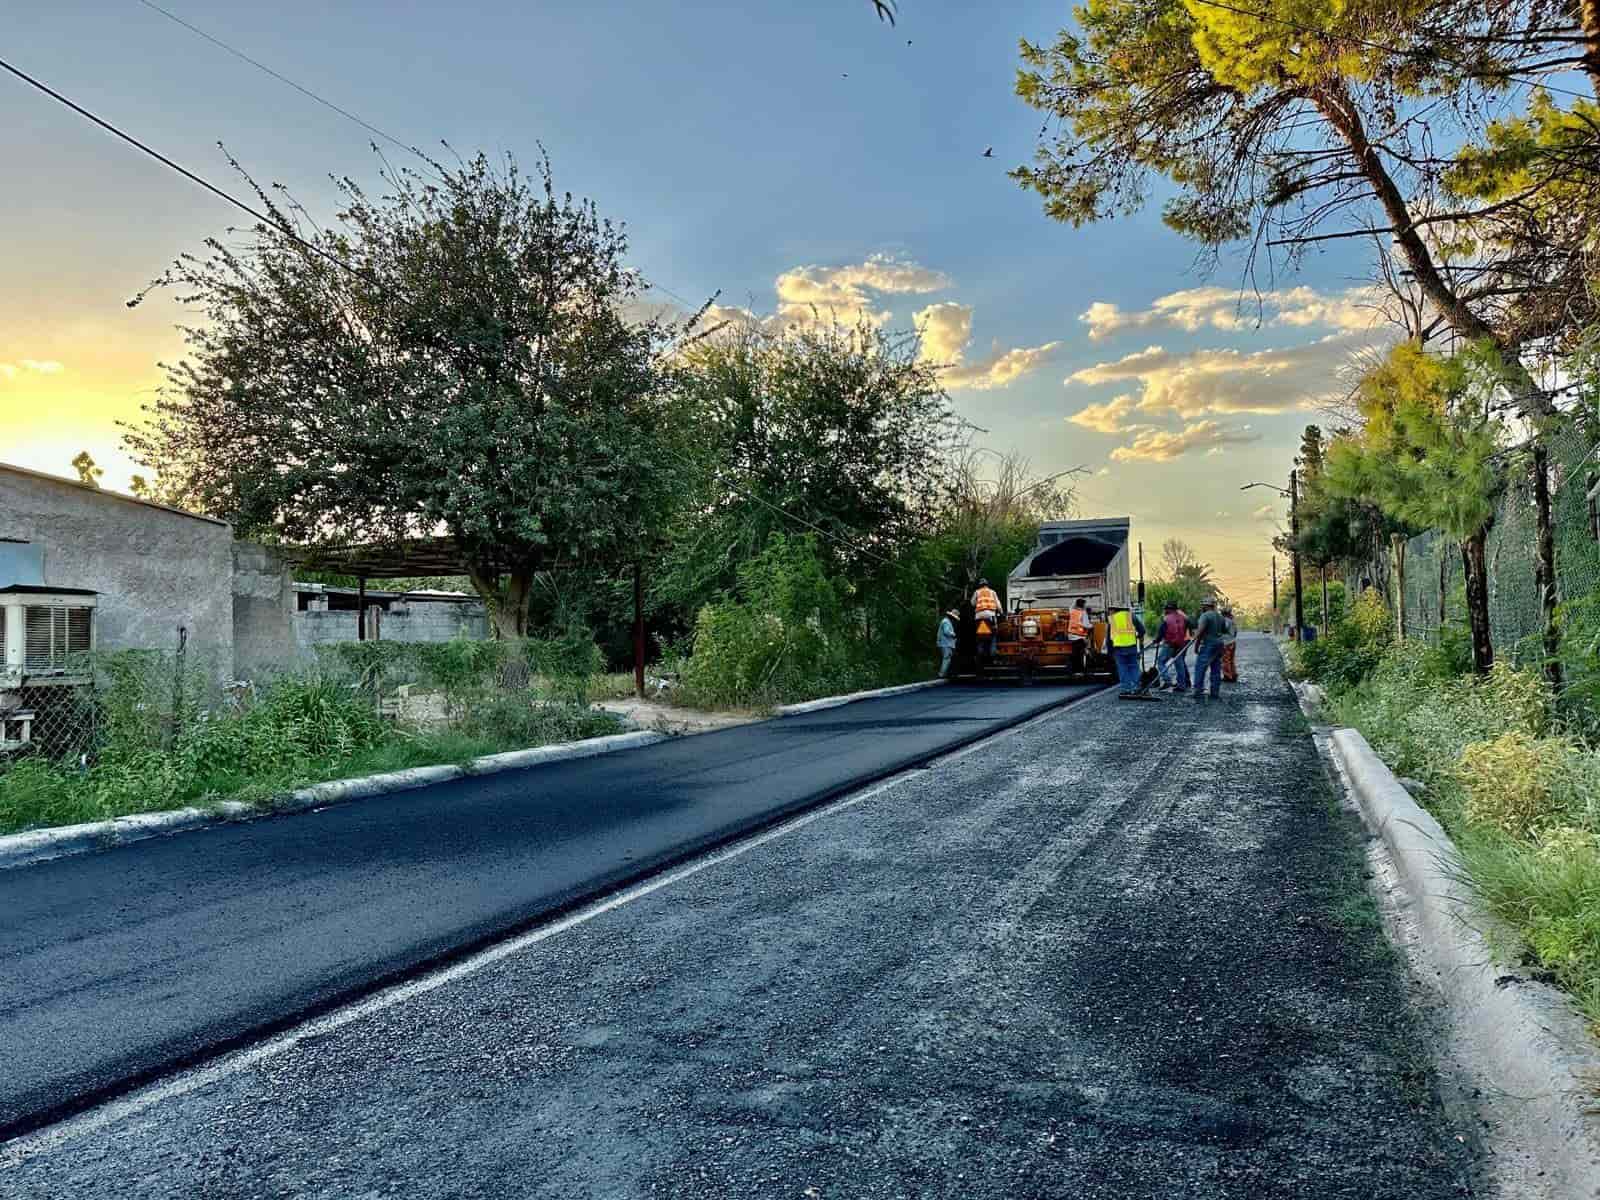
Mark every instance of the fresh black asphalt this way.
pixel 117 966
pixel 1122 953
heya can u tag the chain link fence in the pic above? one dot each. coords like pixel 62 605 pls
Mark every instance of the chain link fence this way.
pixel 1435 585
pixel 126 702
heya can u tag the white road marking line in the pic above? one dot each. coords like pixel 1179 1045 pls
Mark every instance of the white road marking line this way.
pixel 20 1149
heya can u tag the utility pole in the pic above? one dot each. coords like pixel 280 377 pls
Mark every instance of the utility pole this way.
pixel 1276 628
pixel 1294 549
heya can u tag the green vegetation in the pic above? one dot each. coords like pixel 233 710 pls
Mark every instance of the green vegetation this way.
pixel 159 736
pixel 1509 773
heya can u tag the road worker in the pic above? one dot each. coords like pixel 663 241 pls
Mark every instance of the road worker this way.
pixel 1208 636
pixel 1079 626
pixel 1127 633
pixel 947 641
pixel 986 611
pixel 1176 626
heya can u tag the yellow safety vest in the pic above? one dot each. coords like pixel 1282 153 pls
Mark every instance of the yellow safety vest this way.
pixel 1122 631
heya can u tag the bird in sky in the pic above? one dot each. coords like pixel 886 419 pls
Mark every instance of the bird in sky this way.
pixel 885 9
pixel 988 152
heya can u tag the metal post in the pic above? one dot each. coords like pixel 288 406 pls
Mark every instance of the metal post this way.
pixel 361 608
pixel 1294 546
pixel 1275 627
pixel 638 631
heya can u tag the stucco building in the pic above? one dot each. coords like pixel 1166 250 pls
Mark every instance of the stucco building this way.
pixel 153 571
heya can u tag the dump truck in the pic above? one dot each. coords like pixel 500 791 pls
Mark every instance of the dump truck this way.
pixel 1070 559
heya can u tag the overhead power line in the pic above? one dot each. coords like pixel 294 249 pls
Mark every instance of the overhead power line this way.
pixel 346 113
pixel 1313 31
pixel 301 88
pixel 178 167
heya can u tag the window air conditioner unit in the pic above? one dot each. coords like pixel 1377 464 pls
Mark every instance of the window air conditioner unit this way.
pixel 46 635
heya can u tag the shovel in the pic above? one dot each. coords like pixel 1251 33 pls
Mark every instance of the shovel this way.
pixel 1151 674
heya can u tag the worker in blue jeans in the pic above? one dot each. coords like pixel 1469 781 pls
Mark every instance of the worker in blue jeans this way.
pixel 1208 634
pixel 1126 633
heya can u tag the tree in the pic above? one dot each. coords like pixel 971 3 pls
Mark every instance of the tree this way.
pixel 1176 554
pixel 994 511
pixel 1429 455
pixel 838 431
pixel 1297 122
pixel 83 464
pixel 1310 458
pixel 453 359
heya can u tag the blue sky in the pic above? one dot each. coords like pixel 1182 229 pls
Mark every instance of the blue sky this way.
pixel 729 139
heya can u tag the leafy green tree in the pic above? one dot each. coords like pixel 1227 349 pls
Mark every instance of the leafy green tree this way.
pixel 83 464
pixel 455 360
pixel 840 432
pixel 1297 122
pixel 1429 455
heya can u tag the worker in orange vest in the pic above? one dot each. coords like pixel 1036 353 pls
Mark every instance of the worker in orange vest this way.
pixel 986 611
pixel 1078 630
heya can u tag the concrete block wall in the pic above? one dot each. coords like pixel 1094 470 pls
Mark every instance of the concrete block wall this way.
pixel 156 569
pixel 264 636
pixel 432 621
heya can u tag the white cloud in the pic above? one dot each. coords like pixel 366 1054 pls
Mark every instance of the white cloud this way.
pixel 946 329
pixel 1001 368
pixel 32 366
pixel 1109 417
pixel 846 294
pixel 1162 445
pixel 1193 309
pixel 1201 382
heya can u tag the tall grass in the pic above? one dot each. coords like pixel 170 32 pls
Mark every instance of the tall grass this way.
pixel 155 746
pixel 1516 785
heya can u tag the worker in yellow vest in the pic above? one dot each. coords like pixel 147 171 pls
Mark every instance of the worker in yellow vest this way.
pixel 986 612
pixel 1127 635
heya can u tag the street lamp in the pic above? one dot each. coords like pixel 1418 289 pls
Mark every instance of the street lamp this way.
pixel 1293 492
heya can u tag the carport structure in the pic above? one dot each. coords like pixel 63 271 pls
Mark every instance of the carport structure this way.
pixel 411 557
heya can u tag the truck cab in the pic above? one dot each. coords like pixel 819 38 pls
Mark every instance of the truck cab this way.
pixel 1070 559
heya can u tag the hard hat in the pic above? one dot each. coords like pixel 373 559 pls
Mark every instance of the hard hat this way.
pixel 1172 606
pixel 953 612
pixel 983 583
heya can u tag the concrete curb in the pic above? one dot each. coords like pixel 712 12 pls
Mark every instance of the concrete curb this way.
pixel 810 706
pixel 21 849
pixel 1522 1037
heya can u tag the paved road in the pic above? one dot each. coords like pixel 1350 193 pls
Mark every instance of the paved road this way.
pixel 118 965
pixel 1077 961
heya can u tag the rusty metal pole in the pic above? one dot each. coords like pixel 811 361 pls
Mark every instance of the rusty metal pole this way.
pixel 638 631
pixel 361 608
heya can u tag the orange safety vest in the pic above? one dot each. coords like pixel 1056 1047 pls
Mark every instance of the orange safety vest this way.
pixel 986 600
pixel 1077 623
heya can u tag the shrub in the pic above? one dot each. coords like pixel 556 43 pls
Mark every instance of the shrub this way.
pixel 1353 648
pixel 783 635
pixel 1511 781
